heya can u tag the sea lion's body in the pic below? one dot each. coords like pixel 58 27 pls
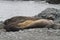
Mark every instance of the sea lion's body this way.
pixel 27 23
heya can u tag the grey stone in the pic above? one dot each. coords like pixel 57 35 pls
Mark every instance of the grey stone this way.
pixel 53 1
pixel 1 25
pixel 32 34
pixel 49 12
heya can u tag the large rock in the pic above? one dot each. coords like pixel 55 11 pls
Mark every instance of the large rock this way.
pixel 49 13
pixel 53 1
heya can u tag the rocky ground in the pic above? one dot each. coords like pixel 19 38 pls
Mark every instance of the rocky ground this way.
pixel 31 34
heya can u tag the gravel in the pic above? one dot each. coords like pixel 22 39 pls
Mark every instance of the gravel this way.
pixel 31 34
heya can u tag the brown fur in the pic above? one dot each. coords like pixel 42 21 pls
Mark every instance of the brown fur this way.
pixel 38 23
pixel 18 19
pixel 17 23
